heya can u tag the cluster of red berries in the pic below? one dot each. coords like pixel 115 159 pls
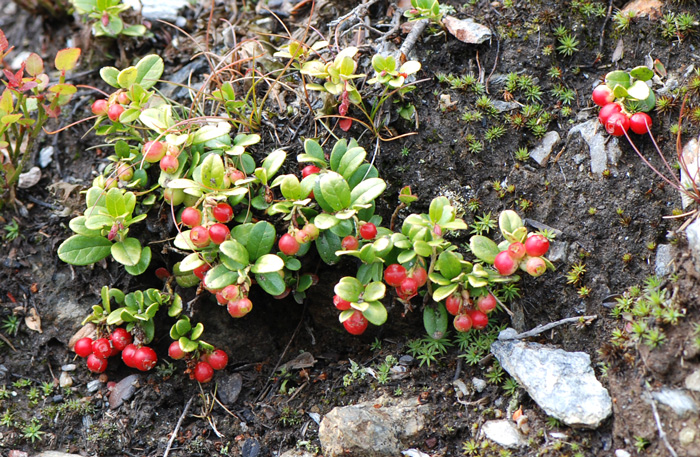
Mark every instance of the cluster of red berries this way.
pixel 615 119
pixel 203 370
pixel 113 107
pixel 235 299
pixel 406 283
pixel 469 314
pixel 211 232
pixel 290 243
pixel 527 256
pixel 120 341
pixel 368 231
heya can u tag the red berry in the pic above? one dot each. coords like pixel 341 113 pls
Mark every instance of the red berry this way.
pixel 394 275
pixel 153 151
pixel 420 275
pixel 311 231
pixel 123 98
pixel 505 263
pixel 96 364
pixel 102 348
pixel 462 322
pixel 309 170
pixel 607 110
pixel 200 236
pixel 640 123
pixel 408 288
pixel 486 303
pixel 230 293
pixel 453 303
pixel 536 245
pixel 356 324
pixel 114 111
pixel 617 124
pixel 175 351
pixel 288 244
pixel 340 303
pixel 222 212
pixel 169 164
pixel 201 271
pixel 240 307
pixel 218 233
pixel 218 359
pixel 191 217
pixel 120 338
pixel 203 372
pixel 125 172
pixel 517 250
pixel 535 266
pixel 83 347
pixel 368 231
pixel 233 175
pixel 100 107
pixel 350 243
pixel 479 319
pixel 128 355
pixel 162 273
pixel 145 358
pixel 602 95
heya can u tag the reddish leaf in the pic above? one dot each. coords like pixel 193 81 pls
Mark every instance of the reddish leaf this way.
pixel 35 65
pixel 345 124
pixel 3 41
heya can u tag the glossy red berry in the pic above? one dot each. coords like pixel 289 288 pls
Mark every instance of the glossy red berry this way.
pixel 517 250
pixel 191 217
pixel 153 151
pixel 350 243
pixel 486 303
pixel 175 351
pixel 203 372
pixel 640 123
pixel 368 231
pixel 462 322
pixel 309 170
pixel 505 263
pixel 83 347
pixel 96 364
pixel 169 164
pixel 120 338
pixel 102 348
pixel 420 275
pixel 240 307
pixel 218 359
pixel 128 355
pixel 453 304
pixel 408 288
pixel 536 245
pixel 200 236
pixel 114 111
pixel 230 293
pixel 218 233
pixel 394 274
pixel 617 124
pixel 602 95
pixel 356 324
pixel 607 110
pixel 201 270
pixel 479 319
pixel 340 303
pixel 100 107
pixel 145 358
pixel 222 212
pixel 288 244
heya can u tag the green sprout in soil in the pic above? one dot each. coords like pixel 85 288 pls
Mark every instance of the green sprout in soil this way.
pixel 622 20
pixel 665 103
pixel 11 230
pixel 554 72
pixel 678 26
pixel 567 45
pixel 510 292
pixel 511 386
pixel 473 205
pixel 290 417
pixel 522 155
pixel 10 325
pixel 575 274
pixel 640 443
pixel 583 292
pixel 627 258
pixel 484 224
pixel 495 374
pixel 592 211
pixel 495 132
pixel 32 431
pixel 472 116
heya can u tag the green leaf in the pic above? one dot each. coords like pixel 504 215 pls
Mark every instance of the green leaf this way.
pixel 143 263
pixel 351 161
pixel 337 153
pixel 305 281
pixel 375 313
pixel 374 291
pixel 274 161
pixel 349 289
pixel 642 73
pixel 197 331
pixel 220 277
pixel 443 292
pixel 639 90
pixel 365 172
pixel 509 221
pixel 77 224
pixel 291 188
pixel 115 317
pixel 268 263
pixel 335 191
pixel 115 202
pixel 325 221
pixel 484 248
pixel 649 103
pixel 435 321
pixel 211 172
pixel 422 248
pixel 150 69
pixel 127 252
pixel 84 250
pixel 449 265
pixel 187 345
pixel 366 191
pixel 618 77
pixel 476 281
pixel 437 207
pixel 127 77
pixel 272 283
pixel 182 326
pixel 313 149
pixel 260 240
pixel 327 244
pixel 406 256
pixel 620 92
pixel 233 254
pixel 66 59
pixel 176 306
pixel 210 132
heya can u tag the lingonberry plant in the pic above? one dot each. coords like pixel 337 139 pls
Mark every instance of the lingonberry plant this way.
pixel 106 18
pixel 625 98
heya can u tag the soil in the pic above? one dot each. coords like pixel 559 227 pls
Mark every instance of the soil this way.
pixel 611 223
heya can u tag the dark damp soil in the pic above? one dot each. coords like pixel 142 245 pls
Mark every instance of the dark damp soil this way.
pixel 612 223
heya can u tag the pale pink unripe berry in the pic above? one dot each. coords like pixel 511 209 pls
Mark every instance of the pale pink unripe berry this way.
pixel 535 266
pixel 153 151
pixel 517 250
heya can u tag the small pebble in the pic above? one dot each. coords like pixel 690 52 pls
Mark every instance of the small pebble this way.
pixel 57 398
pixel 406 360
pixel 622 453
pixel 479 384
pixel 686 436
pixel 93 385
pixel 69 367
pixel 65 380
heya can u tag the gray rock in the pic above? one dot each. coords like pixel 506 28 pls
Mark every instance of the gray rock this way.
pixel 123 391
pixel 365 430
pixel 502 106
pixel 466 30
pixel 158 9
pixel 65 380
pixel 69 367
pixel 230 388
pixel 504 433
pixel 558 251
pixel 677 400
pixel 622 453
pixel 479 384
pixel 542 151
pixel 663 260
pixel 93 386
pixel 690 154
pixel 603 150
pixel 562 383
pixel 686 436
pixel 692 232
pixel 251 448
pixel 692 381
pixel 45 156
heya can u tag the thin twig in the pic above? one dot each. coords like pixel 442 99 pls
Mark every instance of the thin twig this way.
pixel 662 434
pixel 543 328
pixel 495 63
pixel 412 38
pixel 602 30
pixel 177 426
